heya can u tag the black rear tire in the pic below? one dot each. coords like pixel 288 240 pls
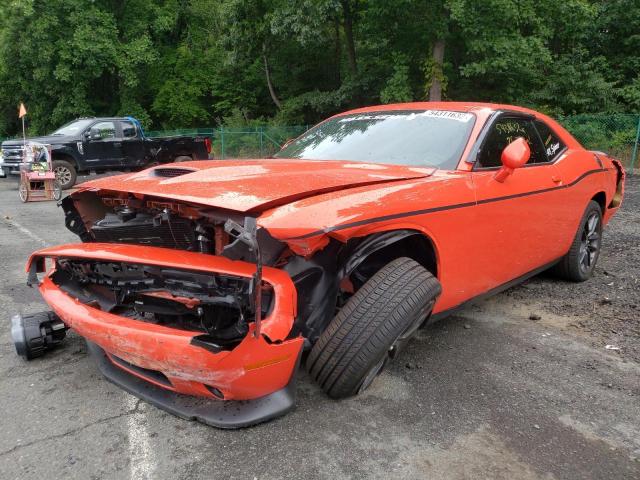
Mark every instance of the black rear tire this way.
pixel 375 321
pixel 183 158
pixel 580 261
pixel 66 174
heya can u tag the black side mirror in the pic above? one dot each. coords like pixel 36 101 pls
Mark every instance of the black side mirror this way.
pixel 94 134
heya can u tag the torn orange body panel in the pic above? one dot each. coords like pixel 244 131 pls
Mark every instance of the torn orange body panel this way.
pixel 256 367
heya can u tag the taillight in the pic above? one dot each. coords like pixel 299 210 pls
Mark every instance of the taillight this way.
pixel 207 144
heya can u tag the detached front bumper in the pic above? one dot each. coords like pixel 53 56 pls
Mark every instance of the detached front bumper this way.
pixel 252 382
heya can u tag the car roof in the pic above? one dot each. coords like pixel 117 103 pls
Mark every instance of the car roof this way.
pixel 452 106
pixel 100 118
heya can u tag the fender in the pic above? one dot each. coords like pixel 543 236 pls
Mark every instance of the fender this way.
pixel 358 253
pixel 68 151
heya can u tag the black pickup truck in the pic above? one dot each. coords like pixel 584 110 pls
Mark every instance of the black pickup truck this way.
pixel 101 144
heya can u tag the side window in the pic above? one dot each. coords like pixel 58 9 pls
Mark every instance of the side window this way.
pixel 552 144
pixel 106 130
pixel 128 129
pixel 504 131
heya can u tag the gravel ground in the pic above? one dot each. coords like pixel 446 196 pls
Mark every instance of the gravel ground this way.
pixel 487 393
pixel 606 309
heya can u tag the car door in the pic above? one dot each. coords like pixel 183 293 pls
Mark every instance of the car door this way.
pixel 519 222
pixel 103 145
pixel 133 151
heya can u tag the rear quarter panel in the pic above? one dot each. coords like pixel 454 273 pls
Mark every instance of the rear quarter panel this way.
pixel 586 175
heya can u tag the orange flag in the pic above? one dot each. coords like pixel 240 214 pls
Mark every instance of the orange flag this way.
pixel 22 111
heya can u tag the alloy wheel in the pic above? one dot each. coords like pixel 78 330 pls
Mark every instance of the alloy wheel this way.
pixel 590 244
pixel 63 175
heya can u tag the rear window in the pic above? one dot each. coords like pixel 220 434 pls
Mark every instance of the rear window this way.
pixel 552 143
pixel 128 129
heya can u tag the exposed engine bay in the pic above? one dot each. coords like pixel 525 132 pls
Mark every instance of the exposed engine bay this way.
pixel 219 306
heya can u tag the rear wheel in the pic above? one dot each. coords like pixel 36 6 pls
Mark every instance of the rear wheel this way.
pixel 580 262
pixel 65 174
pixel 372 327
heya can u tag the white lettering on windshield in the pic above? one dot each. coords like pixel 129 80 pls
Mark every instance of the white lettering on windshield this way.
pixel 445 114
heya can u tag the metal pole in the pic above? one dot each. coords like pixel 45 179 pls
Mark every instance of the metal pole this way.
pixel 261 153
pixel 222 143
pixel 634 155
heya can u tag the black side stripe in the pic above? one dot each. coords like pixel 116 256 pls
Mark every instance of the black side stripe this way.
pixel 424 211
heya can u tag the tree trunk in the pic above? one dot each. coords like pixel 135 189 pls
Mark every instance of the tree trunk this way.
pixel 347 22
pixel 272 91
pixel 435 91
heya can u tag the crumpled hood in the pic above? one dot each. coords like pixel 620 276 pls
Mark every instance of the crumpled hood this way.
pixel 248 185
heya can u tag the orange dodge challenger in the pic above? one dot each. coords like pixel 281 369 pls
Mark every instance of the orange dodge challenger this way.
pixel 201 286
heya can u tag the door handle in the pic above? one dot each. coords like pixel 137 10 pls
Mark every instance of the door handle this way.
pixel 117 144
pixel 556 179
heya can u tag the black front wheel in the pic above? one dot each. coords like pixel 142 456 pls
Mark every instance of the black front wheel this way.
pixel 580 262
pixel 372 326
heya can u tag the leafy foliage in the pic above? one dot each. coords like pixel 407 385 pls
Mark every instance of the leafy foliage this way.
pixel 187 63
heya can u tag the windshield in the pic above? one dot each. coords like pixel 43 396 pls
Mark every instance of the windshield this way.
pixel 416 138
pixel 73 128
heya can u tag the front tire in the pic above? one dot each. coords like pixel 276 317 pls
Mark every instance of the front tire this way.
pixel 580 262
pixel 371 326
pixel 65 174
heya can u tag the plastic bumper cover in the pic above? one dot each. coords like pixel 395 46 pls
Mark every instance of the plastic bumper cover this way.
pixel 258 369
pixel 220 414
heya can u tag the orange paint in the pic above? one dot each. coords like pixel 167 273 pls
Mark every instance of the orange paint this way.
pixel 485 233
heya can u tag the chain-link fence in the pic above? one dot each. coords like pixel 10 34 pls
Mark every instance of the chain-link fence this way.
pixel 243 142
pixel 615 134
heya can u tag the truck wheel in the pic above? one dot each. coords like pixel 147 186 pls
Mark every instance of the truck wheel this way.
pixel 65 173
pixel 580 262
pixel 372 325
pixel 183 158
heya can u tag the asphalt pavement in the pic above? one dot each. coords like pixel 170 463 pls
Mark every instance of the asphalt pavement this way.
pixel 487 393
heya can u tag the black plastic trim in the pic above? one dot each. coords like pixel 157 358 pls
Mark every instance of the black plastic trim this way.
pixel 151 375
pixel 216 413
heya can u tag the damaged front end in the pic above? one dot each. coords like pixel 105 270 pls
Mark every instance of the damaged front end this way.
pixel 178 301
